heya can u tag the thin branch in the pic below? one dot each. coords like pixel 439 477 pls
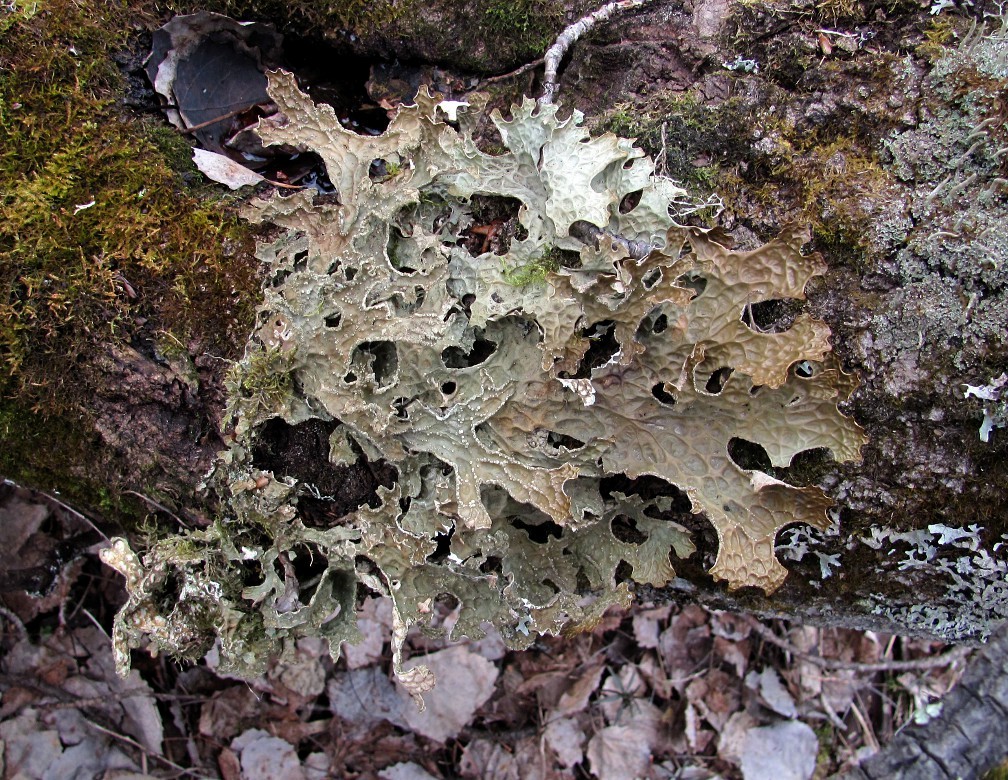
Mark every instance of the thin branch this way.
pixel 161 507
pixel 62 505
pixel 570 36
pixel 193 128
pixel 143 750
pixel 15 621
pixel 931 662
pixel 514 73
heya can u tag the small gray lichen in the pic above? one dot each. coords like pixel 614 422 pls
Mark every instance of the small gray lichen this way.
pixel 996 409
pixel 973 582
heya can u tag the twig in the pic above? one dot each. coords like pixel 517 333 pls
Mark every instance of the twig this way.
pixel 216 119
pixel 151 502
pixel 569 36
pixel 15 621
pixel 931 662
pixel 144 751
pixel 95 621
pixel 514 73
pixel 62 505
pixel 866 730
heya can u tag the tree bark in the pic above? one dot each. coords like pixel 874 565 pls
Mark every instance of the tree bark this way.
pixel 789 114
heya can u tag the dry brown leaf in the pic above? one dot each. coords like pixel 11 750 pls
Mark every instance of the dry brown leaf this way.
pixel 782 751
pixel 685 644
pixel 647 625
pixel 715 696
pixel 375 623
pixel 229 765
pixel 575 698
pixel 450 707
pixel 619 753
pixel 735 653
pixel 566 738
pixel 486 759
pixel 729 626
pixel 733 736
pixel 225 713
pixel 621 689
pixel 265 757
pixel 405 771
pixel 655 676
pixel 773 693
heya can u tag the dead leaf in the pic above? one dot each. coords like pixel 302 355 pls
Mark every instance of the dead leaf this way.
pixel 575 698
pixel 715 696
pixel 484 759
pixel 364 697
pixel 224 170
pixel 405 771
pixel 566 738
pixel 774 694
pixel 647 624
pixel 685 644
pixel 265 757
pixel 619 753
pixel 208 67
pixel 733 736
pixel 783 751
pixel 375 623
pixel 735 653
pixel 619 690
pixel 730 626
pixel 225 713
pixel 143 719
pixel 229 765
pixel 317 766
pixel 469 681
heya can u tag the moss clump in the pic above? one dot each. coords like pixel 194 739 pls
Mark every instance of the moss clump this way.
pixel 309 18
pixel 535 271
pixel 263 381
pixel 102 239
pixel 531 25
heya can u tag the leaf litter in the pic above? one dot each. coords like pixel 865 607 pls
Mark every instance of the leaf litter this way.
pixel 659 691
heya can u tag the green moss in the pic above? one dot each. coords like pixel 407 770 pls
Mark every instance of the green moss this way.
pixel 59 455
pixel 533 272
pixel 530 25
pixel 308 18
pixel 102 239
pixel 262 381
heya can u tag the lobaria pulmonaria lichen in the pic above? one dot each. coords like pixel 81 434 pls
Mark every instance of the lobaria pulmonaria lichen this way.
pixel 506 410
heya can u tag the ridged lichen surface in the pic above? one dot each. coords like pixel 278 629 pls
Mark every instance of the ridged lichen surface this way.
pixel 514 396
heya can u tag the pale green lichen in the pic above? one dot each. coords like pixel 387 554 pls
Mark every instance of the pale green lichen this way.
pixel 497 404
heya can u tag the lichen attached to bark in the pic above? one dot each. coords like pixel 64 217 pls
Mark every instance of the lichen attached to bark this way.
pixel 503 409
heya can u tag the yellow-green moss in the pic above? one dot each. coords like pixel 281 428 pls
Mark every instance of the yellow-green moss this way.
pixel 102 240
pixel 534 271
pixel 309 17
pixel 529 24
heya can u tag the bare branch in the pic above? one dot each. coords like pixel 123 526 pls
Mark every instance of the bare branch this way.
pixel 569 36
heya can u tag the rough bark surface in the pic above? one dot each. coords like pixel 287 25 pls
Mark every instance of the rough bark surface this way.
pixel 966 740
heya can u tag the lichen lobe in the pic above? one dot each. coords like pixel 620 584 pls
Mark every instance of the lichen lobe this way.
pixel 502 408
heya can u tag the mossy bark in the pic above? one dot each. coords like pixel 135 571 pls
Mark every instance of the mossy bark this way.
pixel 882 127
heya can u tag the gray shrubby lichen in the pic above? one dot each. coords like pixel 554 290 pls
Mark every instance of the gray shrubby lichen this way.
pixel 503 389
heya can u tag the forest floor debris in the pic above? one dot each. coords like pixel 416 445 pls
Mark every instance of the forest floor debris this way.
pixel 661 691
